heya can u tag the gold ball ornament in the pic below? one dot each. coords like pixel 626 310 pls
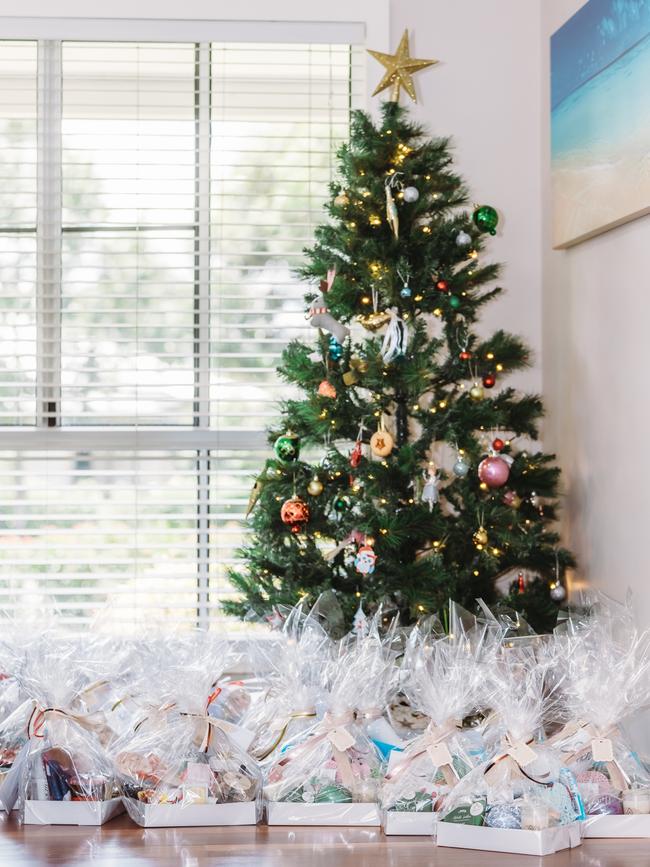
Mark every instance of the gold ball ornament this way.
pixel 480 537
pixel 341 200
pixel 381 443
pixel 476 392
pixel 315 487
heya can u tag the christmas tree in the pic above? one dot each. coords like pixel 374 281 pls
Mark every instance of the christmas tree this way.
pixel 423 482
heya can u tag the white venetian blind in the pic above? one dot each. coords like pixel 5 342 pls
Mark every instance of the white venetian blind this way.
pixel 155 200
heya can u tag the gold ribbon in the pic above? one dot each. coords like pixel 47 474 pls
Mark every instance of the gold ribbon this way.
pixel 307 714
pixel 335 730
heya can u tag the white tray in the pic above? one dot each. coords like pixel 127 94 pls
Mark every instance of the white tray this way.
pixel 513 840
pixel 398 822
pixel 286 813
pixel 616 826
pixel 71 812
pixel 192 816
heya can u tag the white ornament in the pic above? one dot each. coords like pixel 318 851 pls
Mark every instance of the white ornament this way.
pixel 411 194
pixel 430 492
pixel 463 239
pixel 360 622
pixel 396 338
pixel 365 560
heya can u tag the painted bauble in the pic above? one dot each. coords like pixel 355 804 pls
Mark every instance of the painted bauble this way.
pixel 512 499
pixel 503 816
pixel 486 218
pixel 381 443
pixel 411 194
pixel 461 467
pixel 463 239
pixel 326 389
pixel 476 392
pixel 365 560
pixel 558 593
pixel 480 537
pixel 405 291
pixel 294 513
pixel 494 471
pixel 287 447
pixel 315 487
pixel 442 286
pixel 335 349
pixel 341 200
pixel 489 380
pixel 342 503
pixel 454 302
pixel 497 444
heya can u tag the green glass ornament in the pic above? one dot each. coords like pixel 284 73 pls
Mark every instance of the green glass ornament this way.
pixel 342 503
pixel 333 795
pixel 287 447
pixel 486 218
pixel 454 302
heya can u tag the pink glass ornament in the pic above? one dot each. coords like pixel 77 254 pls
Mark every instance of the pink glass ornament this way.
pixel 494 471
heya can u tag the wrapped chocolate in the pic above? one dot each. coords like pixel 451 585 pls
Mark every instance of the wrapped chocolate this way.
pixel 606 679
pixel 525 785
pixel 443 678
pixel 335 762
pixel 293 662
pixel 180 765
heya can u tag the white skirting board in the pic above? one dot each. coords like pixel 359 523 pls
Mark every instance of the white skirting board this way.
pixel 193 815
pixel 287 813
pixel 616 826
pixel 415 824
pixel 520 842
pixel 71 812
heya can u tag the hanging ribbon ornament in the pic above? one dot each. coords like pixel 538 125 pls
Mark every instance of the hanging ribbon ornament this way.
pixel 320 317
pixel 396 338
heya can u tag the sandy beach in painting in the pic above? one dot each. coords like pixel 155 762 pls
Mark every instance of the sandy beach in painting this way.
pixel 601 149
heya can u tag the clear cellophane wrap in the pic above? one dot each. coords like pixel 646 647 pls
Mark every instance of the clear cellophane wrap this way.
pixel 524 785
pixel 335 761
pixel 177 753
pixel 65 757
pixel 293 663
pixel 442 678
pixel 605 665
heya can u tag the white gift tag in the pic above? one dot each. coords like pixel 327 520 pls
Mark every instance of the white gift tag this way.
pixel 440 755
pixel 341 738
pixel 602 750
pixel 522 754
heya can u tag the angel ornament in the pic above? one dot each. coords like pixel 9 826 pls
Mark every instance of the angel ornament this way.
pixel 431 489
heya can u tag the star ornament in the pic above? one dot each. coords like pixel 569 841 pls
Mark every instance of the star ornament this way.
pixel 399 69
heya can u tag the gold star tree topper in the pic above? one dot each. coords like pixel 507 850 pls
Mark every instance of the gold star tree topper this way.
pixel 399 69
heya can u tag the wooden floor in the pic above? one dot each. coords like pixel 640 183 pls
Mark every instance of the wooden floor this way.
pixel 121 844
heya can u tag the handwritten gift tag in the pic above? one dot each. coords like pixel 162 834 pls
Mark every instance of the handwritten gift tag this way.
pixel 602 750
pixel 341 738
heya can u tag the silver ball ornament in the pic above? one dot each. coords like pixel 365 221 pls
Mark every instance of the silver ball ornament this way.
pixel 463 239
pixel 411 194
pixel 461 467
pixel 558 593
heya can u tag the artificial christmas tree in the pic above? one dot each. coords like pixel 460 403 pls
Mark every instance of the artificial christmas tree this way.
pixel 422 481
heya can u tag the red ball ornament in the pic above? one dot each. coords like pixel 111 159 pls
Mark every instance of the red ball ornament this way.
pixel 497 444
pixel 465 355
pixel 442 286
pixel 489 380
pixel 295 513
pixel 494 471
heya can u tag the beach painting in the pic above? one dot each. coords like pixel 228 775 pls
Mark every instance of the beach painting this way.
pixel 600 119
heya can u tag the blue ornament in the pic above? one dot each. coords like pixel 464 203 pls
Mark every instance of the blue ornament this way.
pixel 335 349
pixel 503 816
pixel 405 291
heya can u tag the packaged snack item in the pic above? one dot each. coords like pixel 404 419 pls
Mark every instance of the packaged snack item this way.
pixel 606 678
pixel 329 775
pixel 443 678
pixel 179 765
pixel 523 790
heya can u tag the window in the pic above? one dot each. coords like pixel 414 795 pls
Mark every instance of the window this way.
pixel 155 198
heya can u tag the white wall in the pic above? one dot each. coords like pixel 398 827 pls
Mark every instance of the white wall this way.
pixel 485 94
pixel 596 315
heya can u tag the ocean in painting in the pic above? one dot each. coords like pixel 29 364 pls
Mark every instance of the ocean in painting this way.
pixel 600 118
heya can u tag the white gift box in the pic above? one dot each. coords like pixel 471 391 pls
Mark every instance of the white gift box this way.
pixel 634 825
pixel 288 813
pixel 192 815
pixel 403 823
pixel 520 842
pixel 71 812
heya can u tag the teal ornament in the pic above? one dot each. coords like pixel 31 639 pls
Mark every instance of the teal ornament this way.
pixel 335 349
pixel 287 447
pixel 333 794
pixel 486 218
pixel 405 291
pixel 454 302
